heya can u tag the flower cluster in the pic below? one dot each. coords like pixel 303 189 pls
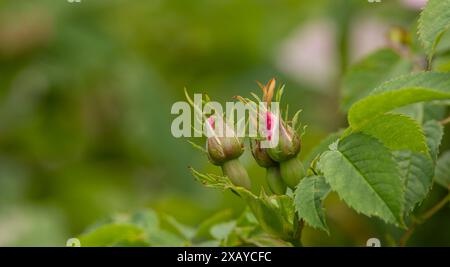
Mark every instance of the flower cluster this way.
pixel 280 158
pixel 283 168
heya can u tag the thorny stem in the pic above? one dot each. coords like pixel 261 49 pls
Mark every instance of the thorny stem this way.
pixel 427 215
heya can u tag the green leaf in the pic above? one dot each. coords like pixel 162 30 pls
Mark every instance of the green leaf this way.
pixel 272 212
pixel 417 171
pixel 269 211
pixel 163 238
pixel 434 21
pixel 373 70
pixel 212 180
pixel 442 62
pixel 267 241
pixel 185 231
pixel 363 173
pixel 414 111
pixel 285 206
pixel 434 111
pixel 423 112
pixel 246 227
pixel 408 89
pixel 309 196
pixel 247 219
pixel 444 44
pixel 142 228
pixel 146 219
pixel 208 243
pixel 442 175
pixel 203 230
pixel 321 147
pixel 222 230
pixel 397 132
pixel 113 235
pixel 434 132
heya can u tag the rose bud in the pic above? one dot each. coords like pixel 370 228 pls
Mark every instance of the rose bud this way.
pixel 292 171
pixel 238 175
pixel 223 149
pixel 285 152
pixel 273 175
pixel 224 152
pixel 260 154
pixel 275 180
pixel 288 145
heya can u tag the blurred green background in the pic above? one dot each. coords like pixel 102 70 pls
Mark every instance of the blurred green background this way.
pixel 86 90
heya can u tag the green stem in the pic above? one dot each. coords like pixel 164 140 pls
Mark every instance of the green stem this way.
pixel 298 228
pixel 424 217
pixel 404 239
pixel 435 208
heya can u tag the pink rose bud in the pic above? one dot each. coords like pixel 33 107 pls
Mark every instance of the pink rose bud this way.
pixel 221 149
pixel 289 144
pixel 224 152
pixel 285 152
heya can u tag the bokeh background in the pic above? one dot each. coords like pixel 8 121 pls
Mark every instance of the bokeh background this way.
pixel 86 90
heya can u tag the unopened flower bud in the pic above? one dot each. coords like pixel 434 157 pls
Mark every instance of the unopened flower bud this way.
pixel 224 152
pixel 221 149
pixel 273 175
pixel 234 170
pixel 292 171
pixel 275 181
pixel 288 146
pixel 260 154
